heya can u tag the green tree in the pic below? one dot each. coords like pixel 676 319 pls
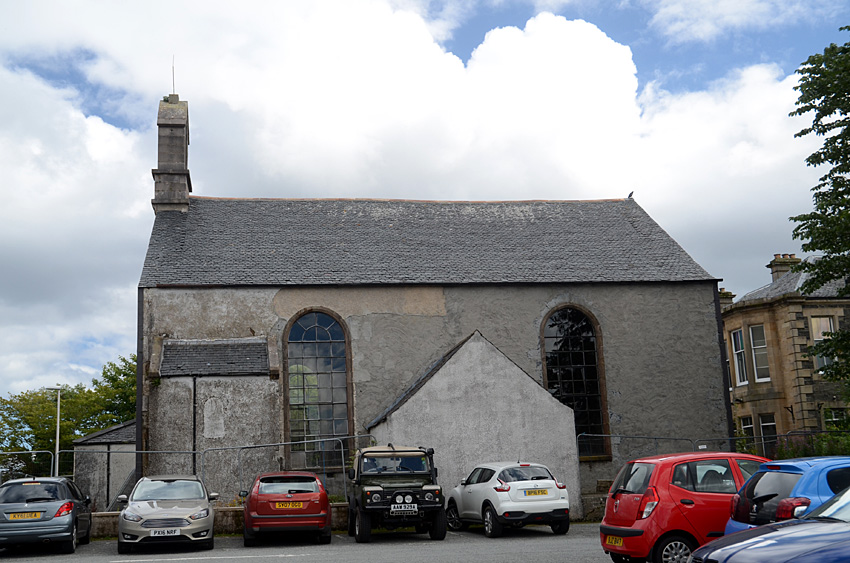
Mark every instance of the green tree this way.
pixel 824 89
pixel 28 419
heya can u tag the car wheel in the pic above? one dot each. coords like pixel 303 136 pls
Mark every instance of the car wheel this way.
pixel 324 537
pixel 70 546
pixel 438 526
pixel 561 527
pixel 351 517
pixel 673 549
pixel 124 547
pixel 492 527
pixel 86 539
pixel 248 537
pixel 362 526
pixel 453 520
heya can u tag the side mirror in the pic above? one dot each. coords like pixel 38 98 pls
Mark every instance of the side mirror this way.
pixel 430 451
pixel 122 499
pixel 213 496
pixel 463 482
pixel 351 474
pixel 87 500
pixel 243 494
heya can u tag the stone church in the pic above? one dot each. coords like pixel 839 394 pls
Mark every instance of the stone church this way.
pixel 272 331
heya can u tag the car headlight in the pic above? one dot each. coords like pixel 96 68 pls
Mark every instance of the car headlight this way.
pixel 376 497
pixel 429 496
pixel 408 499
pixel 131 517
pixel 202 514
pixel 399 499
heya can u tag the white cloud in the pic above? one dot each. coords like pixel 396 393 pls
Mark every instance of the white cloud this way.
pixel 704 20
pixel 355 99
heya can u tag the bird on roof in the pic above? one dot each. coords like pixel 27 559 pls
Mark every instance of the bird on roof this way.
pixel 630 195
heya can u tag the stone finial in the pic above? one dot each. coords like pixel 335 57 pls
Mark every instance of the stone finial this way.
pixel 172 182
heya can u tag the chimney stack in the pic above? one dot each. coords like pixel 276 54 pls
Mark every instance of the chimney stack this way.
pixel 727 298
pixel 172 183
pixel 781 265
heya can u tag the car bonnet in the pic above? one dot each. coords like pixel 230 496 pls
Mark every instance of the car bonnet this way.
pixel 167 508
pixel 794 540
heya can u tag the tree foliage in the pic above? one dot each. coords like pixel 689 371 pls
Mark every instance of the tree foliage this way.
pixel 28 419
pixel 824 89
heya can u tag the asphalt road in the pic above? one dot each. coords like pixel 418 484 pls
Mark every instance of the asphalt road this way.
pixel 530 544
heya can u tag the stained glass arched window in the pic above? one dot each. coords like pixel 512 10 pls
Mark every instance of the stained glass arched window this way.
pixel 572 374
pixel 318 389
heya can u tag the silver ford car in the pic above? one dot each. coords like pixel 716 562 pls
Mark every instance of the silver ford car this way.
pixel 165 509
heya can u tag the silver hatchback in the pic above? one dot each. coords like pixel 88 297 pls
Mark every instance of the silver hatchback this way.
pixel 166 509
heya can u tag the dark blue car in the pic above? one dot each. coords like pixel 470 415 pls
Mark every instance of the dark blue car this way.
pixel 822 536
pixel 786 489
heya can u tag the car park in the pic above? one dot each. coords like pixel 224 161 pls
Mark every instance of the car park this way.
pixel 286 502
pixel 788 488
pixel 509 494
pixel 166 509
pixel 821 536
pixel 395 487
pixel 44 510
pixel 660 508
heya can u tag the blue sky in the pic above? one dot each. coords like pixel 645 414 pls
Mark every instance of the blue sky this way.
pixel 684 102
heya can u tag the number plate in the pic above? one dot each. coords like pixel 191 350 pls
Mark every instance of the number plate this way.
pixel 536 492
pixel 25 516
pixel 166 532
pixel 288 504
pixel 404 509
pixel 614 540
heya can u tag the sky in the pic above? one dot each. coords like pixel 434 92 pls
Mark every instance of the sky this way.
pixel 683 102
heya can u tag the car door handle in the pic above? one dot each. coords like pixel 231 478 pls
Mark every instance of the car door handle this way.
pixel 686 501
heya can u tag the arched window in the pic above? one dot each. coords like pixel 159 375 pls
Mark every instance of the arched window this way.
pixel 318 390
pixel 572 374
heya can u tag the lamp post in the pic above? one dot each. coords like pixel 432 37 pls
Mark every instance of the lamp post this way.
pixel 58 401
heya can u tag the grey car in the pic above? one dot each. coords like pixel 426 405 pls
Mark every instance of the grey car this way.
pixel 167 509
pixel 44 510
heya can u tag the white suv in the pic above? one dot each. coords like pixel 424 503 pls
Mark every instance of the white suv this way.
pixel 509 493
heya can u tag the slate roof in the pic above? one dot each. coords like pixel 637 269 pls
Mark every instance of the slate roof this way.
pixel 790 283
pixel 280 242
pixel 242 356
pixel 124 433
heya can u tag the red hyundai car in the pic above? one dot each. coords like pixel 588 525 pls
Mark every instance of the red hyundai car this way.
pixel 286 502
pixel 663 507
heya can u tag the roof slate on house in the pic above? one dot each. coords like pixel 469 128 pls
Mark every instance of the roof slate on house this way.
pixel 281 242
pixel 790 283
pixel 124 433
pixel 244 356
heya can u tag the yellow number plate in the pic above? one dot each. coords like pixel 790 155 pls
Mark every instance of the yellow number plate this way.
pixel 536 492
pixel 25 516
pixel 614 540
pixel 288 504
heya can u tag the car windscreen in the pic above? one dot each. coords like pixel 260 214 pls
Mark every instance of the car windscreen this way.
pixel 168 490
pixel 765 490
pixel 633 478
pixel 838 508
pixel 395 464
pixel 525 473
pixel 31 491
pixel 287 485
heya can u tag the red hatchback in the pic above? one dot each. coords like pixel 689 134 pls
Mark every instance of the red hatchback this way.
pixel 287 501
pixel 663 507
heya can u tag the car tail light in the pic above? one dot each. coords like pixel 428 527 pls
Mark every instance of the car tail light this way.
pixel 64 510
pixel 740 509
pixel 647 503
pixel 560 485
pixel 321 486
pixel 792 507
pixel 503 487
